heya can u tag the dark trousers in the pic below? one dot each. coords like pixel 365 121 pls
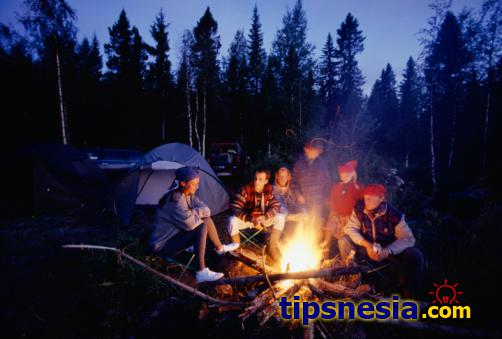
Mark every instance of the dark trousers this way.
pixel 403 273
pixel 184 239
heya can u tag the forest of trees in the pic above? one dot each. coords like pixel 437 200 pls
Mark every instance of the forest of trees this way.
pixel 441 124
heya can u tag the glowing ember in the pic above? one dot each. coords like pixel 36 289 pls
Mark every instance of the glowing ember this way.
pixel 302 251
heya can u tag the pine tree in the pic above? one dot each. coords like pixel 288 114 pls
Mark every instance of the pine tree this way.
pixel 294 54
pixel 86 129
pixel 445 73
pixel 410 108
pixel 349 44
pixel 256 54
pixel 119 49
pixel 236 87
pixel 384 107
pixel 126 70
pixel 205 52
pixel 160 68
pixel 138 60
pixel 90 60
pixel 327 79
pixel 159 78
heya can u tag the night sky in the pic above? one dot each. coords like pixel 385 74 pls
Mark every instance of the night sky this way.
pixel 391 27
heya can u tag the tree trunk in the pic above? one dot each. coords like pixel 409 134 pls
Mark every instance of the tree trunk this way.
pixel 62 113
pixel 189 110
pixel 452 138
pixel 431 140
pixel 196 124
pixel 204 124
pixel 485 128
pixel 300 115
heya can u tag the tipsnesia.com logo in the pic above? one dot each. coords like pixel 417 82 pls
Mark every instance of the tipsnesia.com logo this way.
pixel 446 304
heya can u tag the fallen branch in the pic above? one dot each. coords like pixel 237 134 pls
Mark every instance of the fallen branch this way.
pixel 252 260
pixel 160 275
pixel 323 273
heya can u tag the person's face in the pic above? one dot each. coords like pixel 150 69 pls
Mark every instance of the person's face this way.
pixel 260 180
pixel 282 178
pixel 346 177
pixel 372 201
pixel 190 186
pixel 311 152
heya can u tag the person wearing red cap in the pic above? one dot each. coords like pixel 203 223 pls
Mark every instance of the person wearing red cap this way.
pixel 382 232
pixel 343 197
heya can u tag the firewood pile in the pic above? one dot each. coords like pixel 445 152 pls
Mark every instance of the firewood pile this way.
pixel 264 285
pixel 252 290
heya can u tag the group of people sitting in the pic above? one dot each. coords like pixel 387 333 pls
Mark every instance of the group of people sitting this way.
pixel 355 217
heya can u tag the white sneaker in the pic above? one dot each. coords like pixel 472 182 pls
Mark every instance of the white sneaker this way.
pixel 228 248
pixel 207 275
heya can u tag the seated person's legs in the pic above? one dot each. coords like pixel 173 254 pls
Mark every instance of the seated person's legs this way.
pixel 235 225
pixel 215 239
pixel 410 264
pixel 182 240
pixel 345 245
pixel 277 222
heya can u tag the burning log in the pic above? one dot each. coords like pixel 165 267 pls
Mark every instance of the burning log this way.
pixel 266 298
pixel 322 273
pixel 271 310
pixel 320 286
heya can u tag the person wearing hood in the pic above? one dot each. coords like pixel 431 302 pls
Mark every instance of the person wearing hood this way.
pixel 182 220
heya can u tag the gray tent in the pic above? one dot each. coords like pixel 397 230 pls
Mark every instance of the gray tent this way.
pixel 157 174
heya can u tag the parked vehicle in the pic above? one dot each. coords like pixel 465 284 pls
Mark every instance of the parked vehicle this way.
pixel 227 158
pixel 114 159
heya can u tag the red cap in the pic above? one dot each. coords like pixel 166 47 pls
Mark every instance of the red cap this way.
pixel 348 167
pixel 375 189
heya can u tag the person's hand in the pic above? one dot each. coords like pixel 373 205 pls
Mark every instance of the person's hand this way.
pixel 372 254
pixel 258 227
pixel 301 199
pixel 258 221
pixel 370 251
pixel 383 254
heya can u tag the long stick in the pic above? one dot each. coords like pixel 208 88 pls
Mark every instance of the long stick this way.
pixel 162 276
pixel 324 273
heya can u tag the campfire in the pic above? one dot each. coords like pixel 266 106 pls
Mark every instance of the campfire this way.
pixel 301 252
pixel 303 272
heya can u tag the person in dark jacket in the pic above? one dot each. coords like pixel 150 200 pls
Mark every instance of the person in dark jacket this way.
pixel 381 231
pixel 312 180
pixel 183 220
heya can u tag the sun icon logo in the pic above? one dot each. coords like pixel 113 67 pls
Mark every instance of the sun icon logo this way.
pixel 446 293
